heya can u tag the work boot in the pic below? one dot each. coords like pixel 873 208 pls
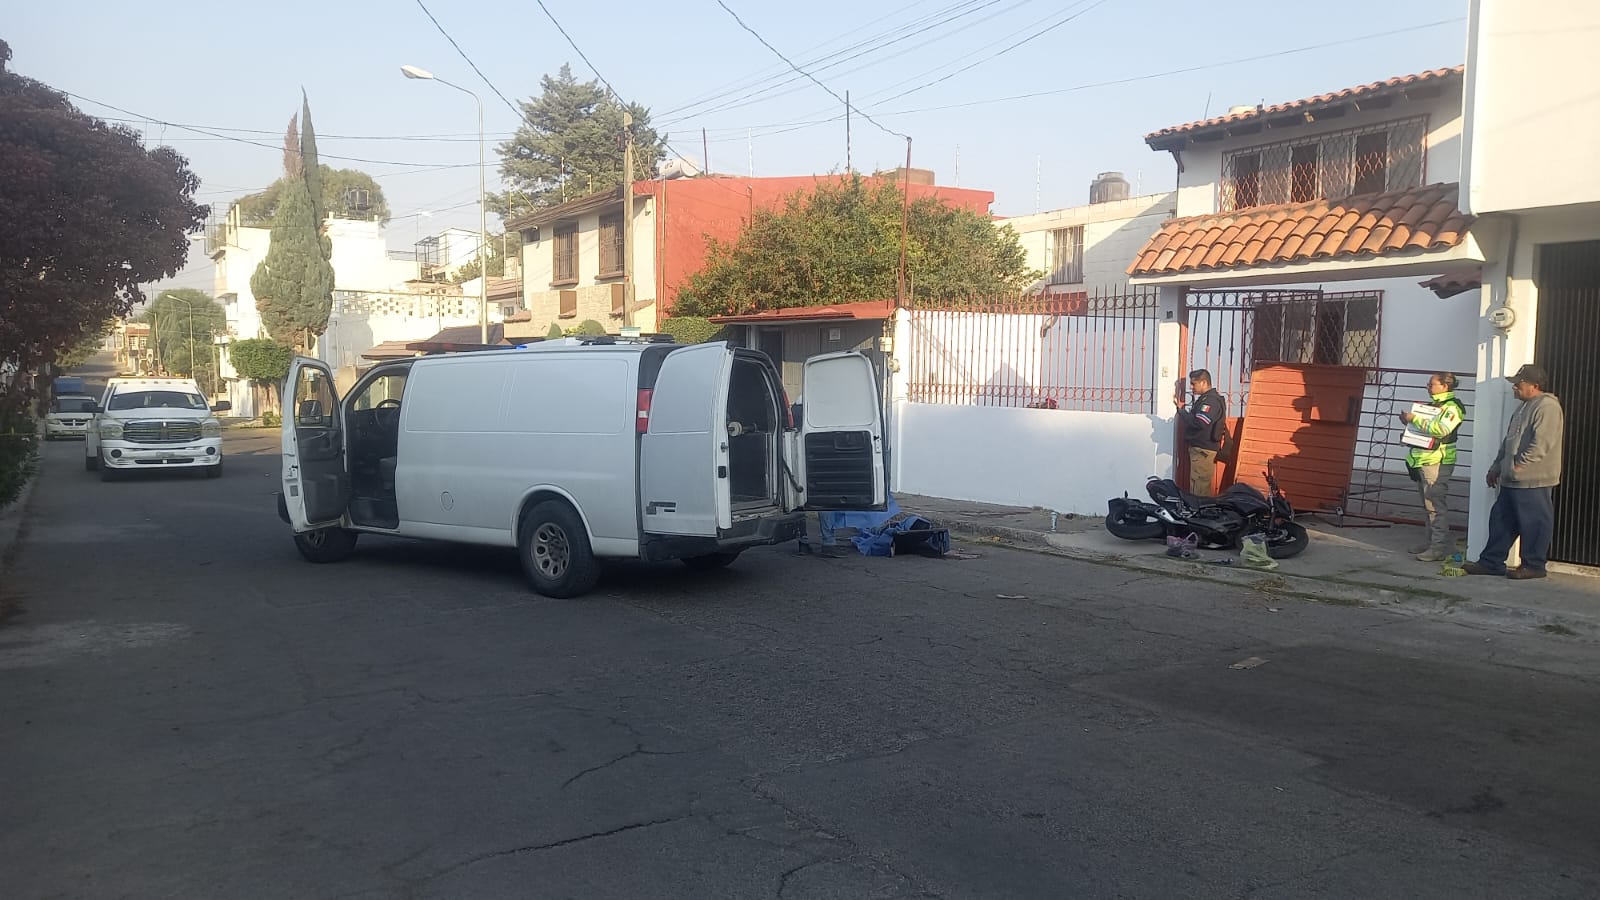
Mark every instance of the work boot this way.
pixel 1473 568
pixel 1433 554
pixel 1523 572
pixel 1419 549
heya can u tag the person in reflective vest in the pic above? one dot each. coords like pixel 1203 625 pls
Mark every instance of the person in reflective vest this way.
pixel 1431 467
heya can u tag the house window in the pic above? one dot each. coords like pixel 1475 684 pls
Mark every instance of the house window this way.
pixel 1066 255
pixel 611 246
pixel 1372 163
pixel 1333 330
pixel 1244 184
pixel 566 255
pixel 569 305
pixel 1333 166
pixel 1303 173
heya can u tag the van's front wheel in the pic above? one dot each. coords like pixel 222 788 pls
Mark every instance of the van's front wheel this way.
pixel 555 551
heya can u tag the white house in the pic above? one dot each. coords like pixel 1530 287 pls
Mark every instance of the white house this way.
pixel 1089 246
pixel 1303 234
pixel 1528 174
pixel 378 295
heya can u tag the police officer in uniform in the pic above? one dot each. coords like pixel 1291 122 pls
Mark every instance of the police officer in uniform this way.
pixel 1203 424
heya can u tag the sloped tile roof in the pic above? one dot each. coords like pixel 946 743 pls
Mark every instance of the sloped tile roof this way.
pixel 862 309
pixel 1368 225
pixel 1174 136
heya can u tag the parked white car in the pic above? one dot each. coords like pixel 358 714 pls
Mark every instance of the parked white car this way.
pixel 69 416
pixel 577 451
pixel 144 424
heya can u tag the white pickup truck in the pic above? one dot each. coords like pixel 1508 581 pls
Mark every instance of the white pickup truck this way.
pixel 143 424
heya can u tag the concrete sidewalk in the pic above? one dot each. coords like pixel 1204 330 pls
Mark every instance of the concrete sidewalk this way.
pixel 1360 564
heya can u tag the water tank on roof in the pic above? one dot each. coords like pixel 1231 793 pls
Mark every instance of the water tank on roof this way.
pixel 1107 187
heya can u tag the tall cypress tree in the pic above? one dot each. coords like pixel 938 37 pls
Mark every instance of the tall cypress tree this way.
pixel 294 284
pixel 308 159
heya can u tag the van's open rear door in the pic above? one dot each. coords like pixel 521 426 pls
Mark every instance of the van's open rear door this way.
pixel 838 455
pixel 316 483
pixel 683 455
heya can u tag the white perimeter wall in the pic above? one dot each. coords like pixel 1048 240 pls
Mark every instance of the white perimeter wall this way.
pixel 1068 461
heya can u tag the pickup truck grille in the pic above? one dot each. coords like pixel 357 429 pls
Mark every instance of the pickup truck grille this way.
pixel 159 432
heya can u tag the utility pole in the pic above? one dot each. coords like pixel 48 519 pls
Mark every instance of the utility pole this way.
pixel 705 154
pixel 627 218
pixel 901 300
pixel 847 167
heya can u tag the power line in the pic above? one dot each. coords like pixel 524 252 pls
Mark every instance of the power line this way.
pixel 776 128
pixel 509 105
pixel 274 147
pixel 448 137
pixel 813 78
pixel 753 93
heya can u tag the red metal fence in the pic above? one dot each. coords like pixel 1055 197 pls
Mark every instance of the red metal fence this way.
pixel 1082 351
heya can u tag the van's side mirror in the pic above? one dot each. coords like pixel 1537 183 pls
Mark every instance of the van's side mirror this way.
pixel 222 406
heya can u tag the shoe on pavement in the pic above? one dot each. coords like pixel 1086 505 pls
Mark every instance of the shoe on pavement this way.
pixel 1473 568
pixel 1523 572
pixel 1433 555
pixel 1419 549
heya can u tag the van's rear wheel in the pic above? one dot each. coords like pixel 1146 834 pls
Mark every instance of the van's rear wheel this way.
pixel 711 560
pixel 555 551
pixel 326 545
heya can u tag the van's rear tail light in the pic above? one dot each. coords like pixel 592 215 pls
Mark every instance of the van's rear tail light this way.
pixel 642 417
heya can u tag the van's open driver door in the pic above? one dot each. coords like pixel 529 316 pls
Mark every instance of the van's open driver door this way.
pixel 316 483
pixel 837 456
pixel 683 455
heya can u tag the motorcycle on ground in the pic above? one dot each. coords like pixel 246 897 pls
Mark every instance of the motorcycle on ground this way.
pixel 1220 522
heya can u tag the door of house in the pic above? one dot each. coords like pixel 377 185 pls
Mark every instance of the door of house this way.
pixel 1568 277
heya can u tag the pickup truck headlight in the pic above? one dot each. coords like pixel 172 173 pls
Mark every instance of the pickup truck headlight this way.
pixel 211 428
pixel 111 429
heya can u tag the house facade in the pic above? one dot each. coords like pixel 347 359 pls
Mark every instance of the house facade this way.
pixel 1089 246
pixel 378 296
pixel 572 254
pixel 1532 122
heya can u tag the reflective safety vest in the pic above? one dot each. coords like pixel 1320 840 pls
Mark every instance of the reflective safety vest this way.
pixel 1444 427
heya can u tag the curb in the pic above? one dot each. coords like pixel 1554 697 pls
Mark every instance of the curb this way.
pixel 12 517
pixel 1318 590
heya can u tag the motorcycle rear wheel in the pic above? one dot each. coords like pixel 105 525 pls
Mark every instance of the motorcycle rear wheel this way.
pixel 1132 524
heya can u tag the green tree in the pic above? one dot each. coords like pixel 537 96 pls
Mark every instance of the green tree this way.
pixel 341 197
pixel 294 284
pixel 841 243
pixel 261 360
pixel 89 346
pixel 501 247
pixel 184 323
pixel 570 145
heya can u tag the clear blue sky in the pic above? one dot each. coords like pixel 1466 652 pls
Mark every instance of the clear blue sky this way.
pixel 240 67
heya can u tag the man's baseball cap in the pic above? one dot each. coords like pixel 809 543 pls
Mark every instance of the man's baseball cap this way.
pixel 1532 374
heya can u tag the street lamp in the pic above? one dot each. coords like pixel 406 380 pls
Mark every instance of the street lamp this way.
pixel 190 307
pixel 483 208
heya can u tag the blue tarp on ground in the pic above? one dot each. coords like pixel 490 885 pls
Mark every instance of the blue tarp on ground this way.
pixel 861 521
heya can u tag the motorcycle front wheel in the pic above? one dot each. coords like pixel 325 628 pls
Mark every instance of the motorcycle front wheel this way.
pixel 1131 522
pixel 1286 539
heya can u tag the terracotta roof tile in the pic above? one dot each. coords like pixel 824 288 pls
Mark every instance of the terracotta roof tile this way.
pixel 1447 286
pixel 1424 218
pixel 1177 135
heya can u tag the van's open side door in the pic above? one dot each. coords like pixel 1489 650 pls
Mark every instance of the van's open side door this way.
pixel 683 454
pixel 837 454
pixel 316 482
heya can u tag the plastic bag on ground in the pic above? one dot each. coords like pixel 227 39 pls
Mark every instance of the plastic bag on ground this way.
pixel 1255 553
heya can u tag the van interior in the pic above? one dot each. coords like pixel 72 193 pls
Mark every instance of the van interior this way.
pixel 755 433
pixel 373 428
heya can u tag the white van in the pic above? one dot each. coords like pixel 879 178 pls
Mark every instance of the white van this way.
pixel 575 451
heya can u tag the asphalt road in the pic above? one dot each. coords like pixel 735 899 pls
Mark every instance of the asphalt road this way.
pixel 187 709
